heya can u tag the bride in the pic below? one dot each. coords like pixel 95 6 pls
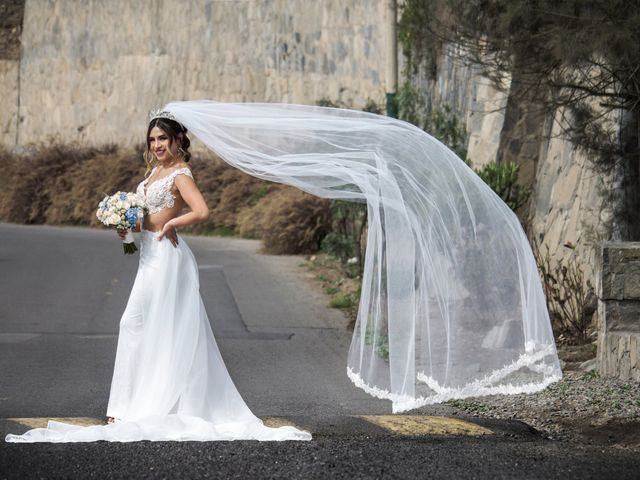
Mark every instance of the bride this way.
pixel 451 302
pixel 169 381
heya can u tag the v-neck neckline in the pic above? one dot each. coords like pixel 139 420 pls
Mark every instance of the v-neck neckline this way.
pixel 146 185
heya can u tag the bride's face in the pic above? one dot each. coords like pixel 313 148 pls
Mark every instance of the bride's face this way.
pixel 161 145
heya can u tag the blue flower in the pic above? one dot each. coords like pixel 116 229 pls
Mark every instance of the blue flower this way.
pixel 123 196
pixel 131 215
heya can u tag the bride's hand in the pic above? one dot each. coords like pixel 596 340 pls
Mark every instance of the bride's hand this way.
pixel 122 233
pixel 170 232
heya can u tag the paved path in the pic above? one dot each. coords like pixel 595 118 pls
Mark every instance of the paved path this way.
pixel 62 291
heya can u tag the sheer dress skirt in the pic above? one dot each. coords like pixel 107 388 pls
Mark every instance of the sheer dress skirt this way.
pixel 169 381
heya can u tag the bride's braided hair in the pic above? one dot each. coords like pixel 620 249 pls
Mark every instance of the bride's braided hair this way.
pixel 173 130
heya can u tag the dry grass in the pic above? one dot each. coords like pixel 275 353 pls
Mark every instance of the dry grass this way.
pixel 287 220
pixel 228 192
pixel 62 184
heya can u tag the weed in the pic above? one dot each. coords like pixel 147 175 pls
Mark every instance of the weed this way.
pixel 471 406
pixel 380 338
pixel 569 296
pixel 220 231
pixel 592 375
pixel 341 300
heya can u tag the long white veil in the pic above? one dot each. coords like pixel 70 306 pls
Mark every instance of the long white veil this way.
pixel 451 304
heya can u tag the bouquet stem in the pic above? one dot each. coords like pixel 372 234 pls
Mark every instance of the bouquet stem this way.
pixel 128 243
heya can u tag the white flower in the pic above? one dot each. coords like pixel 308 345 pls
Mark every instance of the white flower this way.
pixel 352 260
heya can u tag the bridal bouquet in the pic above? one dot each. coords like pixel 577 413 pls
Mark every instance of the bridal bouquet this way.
pixel 122 210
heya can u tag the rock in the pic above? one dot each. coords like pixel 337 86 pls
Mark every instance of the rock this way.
pixel 589 365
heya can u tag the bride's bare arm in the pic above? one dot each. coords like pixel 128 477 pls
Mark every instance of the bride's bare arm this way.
pixel 194 199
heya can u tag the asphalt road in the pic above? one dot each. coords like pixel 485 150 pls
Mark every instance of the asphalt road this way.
pixel 62 292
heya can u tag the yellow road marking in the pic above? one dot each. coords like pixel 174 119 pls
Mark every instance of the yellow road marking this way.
pixel 400 424
pixel 426 425
pixel 42 421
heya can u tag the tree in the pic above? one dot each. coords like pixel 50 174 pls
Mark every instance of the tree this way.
pixel 575 60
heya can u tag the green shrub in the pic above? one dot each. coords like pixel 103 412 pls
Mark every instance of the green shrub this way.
pixel 348 224
pixel 503 179
pixel 442 124
pixel 338 245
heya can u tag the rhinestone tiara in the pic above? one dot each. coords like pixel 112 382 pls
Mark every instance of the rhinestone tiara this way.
pixel 159 113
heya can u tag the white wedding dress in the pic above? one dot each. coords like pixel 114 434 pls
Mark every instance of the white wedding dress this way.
pixel 169 381
pixel 451 303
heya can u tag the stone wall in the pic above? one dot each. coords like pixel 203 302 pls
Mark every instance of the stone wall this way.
pixel 11 13
pixel 9 88
pixel 619 311
pixel 90 70
pixel 568 204
pixel 95 68
pixel 569 212
pixel 460 87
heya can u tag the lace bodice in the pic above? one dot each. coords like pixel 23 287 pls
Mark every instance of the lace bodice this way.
pixel 159 195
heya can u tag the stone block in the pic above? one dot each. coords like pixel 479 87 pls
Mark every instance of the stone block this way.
pixel 620 271
pixel 618 355
pixel 619 311
pixel 631 282
pixel 621 316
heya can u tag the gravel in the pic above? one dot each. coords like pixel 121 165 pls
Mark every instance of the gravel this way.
pixel 581 407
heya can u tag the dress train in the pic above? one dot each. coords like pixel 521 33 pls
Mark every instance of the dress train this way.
pixel 170 381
